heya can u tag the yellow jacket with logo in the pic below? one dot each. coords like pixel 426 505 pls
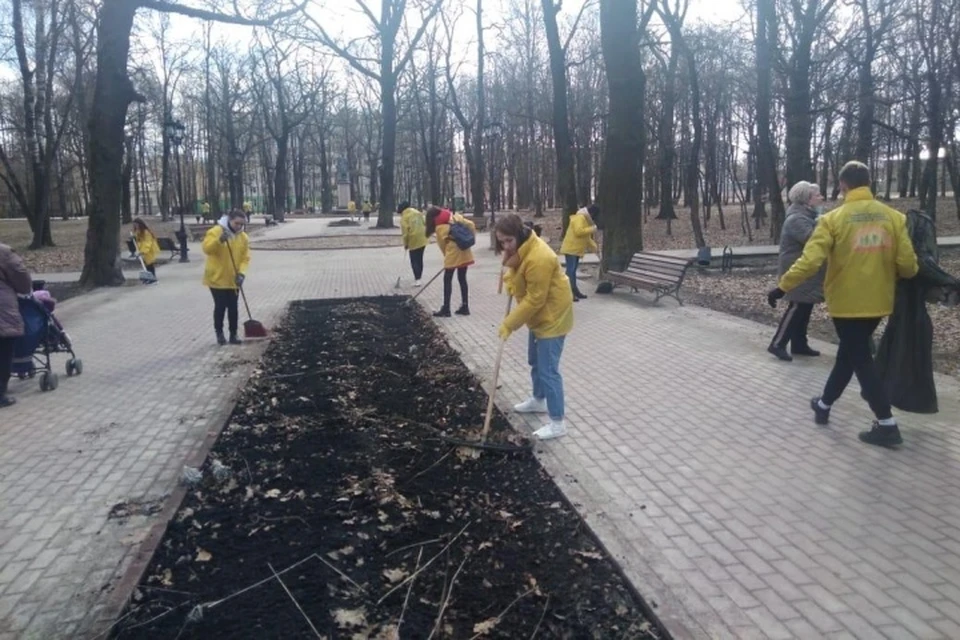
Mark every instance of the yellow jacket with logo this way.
pixel 866 246
pixel 219 272
pixel 542 290
pixel 413 227
pixel 453 256
pixel 579 237
pixel 147 246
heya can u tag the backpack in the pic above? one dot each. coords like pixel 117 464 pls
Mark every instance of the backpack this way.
pixel 462 235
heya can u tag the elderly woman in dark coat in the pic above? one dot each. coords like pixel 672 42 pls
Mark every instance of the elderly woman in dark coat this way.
pixel 14 280
pixel 805 201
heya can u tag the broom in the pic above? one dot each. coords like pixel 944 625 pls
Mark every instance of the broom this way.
pixel 145 276
pixel 251 327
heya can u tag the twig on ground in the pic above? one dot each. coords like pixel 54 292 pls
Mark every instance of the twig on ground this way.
pixel 543 613
pixel 154 618
pixel 412 546
pixel 409 589
pixel 510 606
pixel 442 458
pixel 446 601
pixel 429 562
pixel 299 608
pixel 342 574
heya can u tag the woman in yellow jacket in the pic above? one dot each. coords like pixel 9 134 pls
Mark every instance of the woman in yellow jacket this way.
pixel 455 259
pixel 545 306
pixel 146 244
pixel 576 242
pixel 413 226
pixel 228 255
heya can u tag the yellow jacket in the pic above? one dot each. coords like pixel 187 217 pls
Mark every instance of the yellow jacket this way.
pixel 351 206
pixel 866 246
pixel 219 272
pixel 453 256
pixel 367 207
pixel 412 225
pixel 544 297
pixel 147 246
pixel 579 237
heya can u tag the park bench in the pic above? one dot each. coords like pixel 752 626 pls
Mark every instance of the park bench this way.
pixel 165 244
pixel 662 275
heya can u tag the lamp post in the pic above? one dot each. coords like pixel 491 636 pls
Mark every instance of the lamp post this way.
pixel 493 132
pixel 174 129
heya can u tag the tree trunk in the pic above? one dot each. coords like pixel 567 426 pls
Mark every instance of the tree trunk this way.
pixel 767 159
pixel 126 215
pixel 620 193
pixel 668 149
pixel 113 93
pixel 388 93
pixel 280 177
pixel 566 181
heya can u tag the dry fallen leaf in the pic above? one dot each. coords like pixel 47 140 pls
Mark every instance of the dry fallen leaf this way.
pixel 273 493
pixel 167 578
pixel 350 617
pixel 593 555
pixel 203 556
pixel 485 627
pixel 395 575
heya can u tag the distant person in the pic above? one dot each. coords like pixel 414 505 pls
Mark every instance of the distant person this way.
pixel 413 226
pixel 205 211
pixel 352 209
pixel 545 305
pixel 577 241
pixel 455 259
pixel 805 205
pixel 228 255
pixel 866 247
pixel 146 243
pixel 14 281
pixel 367 208
pixel 247 211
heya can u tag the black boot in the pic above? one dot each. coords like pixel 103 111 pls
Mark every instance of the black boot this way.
pixel 443 313
pixel 820 415
pixel 780 353
pixel 221 339
pixel 234 339
pixel 7 401
pixel 882 436
pixel 464 310
pixel 578 295
pixel 805 350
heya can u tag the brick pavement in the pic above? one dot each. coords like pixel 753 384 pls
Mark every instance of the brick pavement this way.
pixel 690 452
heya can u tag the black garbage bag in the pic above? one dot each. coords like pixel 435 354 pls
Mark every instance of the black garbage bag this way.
pixel 905 354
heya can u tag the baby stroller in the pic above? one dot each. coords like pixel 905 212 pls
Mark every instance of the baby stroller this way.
pixel 42 335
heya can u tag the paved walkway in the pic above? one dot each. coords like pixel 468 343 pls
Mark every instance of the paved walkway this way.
pixel 690 452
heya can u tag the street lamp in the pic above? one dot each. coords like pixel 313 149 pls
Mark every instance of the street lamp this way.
pixel 174 129
pixel 493 132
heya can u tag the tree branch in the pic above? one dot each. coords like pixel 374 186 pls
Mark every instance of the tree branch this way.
pixel 576 23
pixel 215 16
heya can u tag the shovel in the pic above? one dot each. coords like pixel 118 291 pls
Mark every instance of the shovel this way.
pixel 145 276
pixel 251 328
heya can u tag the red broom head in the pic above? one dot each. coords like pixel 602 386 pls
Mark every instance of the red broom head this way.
pixel 254 329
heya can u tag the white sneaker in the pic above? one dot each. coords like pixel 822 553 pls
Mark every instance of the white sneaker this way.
pixel 531 405
pixel 417 284
pixel 551 430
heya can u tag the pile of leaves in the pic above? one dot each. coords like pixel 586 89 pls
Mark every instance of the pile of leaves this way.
pixel 332 506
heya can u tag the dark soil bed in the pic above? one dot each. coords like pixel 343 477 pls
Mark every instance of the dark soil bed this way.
pixel 340 483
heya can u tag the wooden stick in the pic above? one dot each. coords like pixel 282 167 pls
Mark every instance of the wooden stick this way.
pixel 496 375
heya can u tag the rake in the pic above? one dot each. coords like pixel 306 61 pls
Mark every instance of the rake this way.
pixel 145 276
pixel 251 328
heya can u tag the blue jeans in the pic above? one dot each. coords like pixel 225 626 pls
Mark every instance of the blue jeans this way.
pixel 543 354
pixel 572 263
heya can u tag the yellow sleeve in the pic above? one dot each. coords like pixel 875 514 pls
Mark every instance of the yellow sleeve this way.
pixel 405 229
pixel 815 252
pixel 537 277
pixel 211 241
pixel 583 229
pixel 443 234
pixel 907 265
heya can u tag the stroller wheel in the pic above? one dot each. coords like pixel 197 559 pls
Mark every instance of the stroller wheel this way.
pixel 74 367
pixel 49 381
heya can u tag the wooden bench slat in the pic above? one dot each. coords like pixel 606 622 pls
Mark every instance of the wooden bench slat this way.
pixel 652 275
pixel 661 268
pixel 662 275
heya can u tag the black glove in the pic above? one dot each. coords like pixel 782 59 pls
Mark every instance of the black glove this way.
pixel 223 236
pixel 774 295
pixel 239 279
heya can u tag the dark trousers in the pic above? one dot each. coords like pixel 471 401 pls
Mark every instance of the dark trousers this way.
pixel 854 357
pixel 6 363
pixel 448 286
pixel 572 263
pixel 225 302
pixel 793 326
pixel 152 268
pixel 416 262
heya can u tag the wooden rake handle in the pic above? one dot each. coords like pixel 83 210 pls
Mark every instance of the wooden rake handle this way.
pixel 496 371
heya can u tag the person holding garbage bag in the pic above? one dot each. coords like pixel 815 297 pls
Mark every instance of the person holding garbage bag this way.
pixel 867 248
pixel 545 305
pixel 227 248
